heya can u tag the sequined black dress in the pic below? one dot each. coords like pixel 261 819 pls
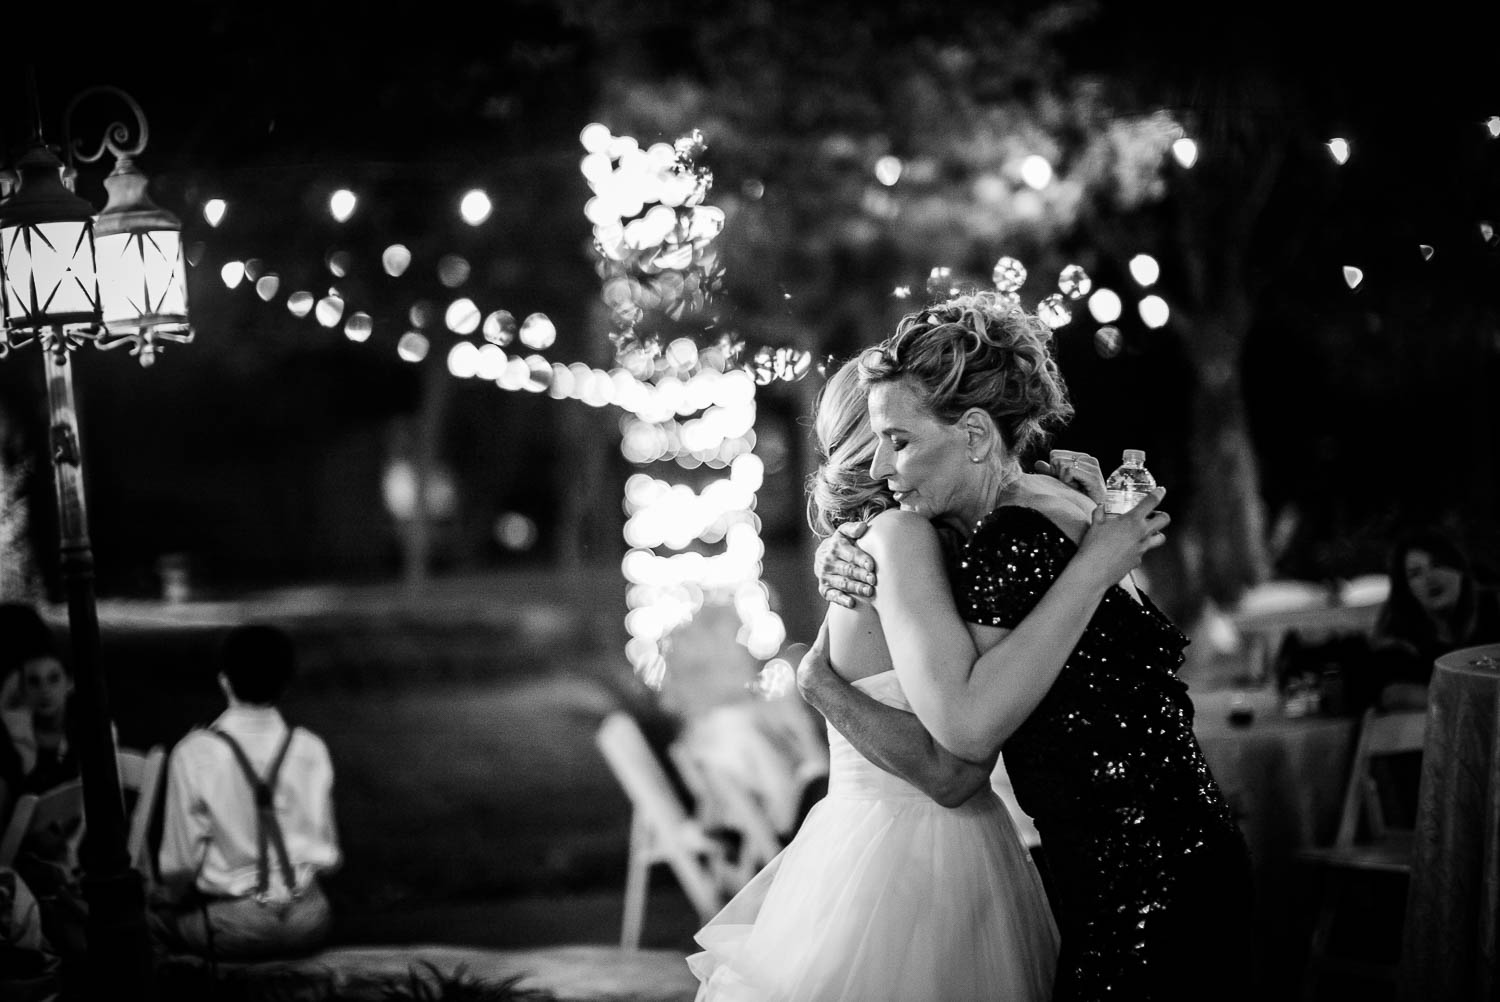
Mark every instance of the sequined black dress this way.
pixel 1149 872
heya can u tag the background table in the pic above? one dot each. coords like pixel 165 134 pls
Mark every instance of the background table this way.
pixel 1285 779
pixel 1450 948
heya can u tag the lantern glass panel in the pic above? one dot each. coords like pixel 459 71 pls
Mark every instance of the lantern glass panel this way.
pixel 143 281
pixel 49 275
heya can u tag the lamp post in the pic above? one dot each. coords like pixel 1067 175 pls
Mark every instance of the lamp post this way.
pixel 68 278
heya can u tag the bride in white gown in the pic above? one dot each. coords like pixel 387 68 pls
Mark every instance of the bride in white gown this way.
pixel 886 894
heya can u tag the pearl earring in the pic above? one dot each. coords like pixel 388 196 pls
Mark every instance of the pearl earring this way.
pixel 973 459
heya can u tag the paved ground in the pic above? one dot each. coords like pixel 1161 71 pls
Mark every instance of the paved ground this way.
pixel 474 810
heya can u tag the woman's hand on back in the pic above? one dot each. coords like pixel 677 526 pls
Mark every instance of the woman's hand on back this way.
pixel 1115 546
pixel 844 570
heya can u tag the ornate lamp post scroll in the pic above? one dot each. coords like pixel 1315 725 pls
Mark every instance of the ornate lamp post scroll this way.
pixel 66 278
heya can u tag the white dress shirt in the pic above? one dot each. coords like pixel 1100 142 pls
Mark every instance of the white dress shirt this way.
pixel 209 829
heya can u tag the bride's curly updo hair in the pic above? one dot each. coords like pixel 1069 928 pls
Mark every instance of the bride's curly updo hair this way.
pixel 841 490
pixel 977 351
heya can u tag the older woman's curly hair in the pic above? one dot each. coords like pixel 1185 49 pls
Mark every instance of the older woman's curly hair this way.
pixel 977 351
pixel 841 490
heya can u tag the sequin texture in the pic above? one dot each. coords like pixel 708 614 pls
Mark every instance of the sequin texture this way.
pixel 1150 873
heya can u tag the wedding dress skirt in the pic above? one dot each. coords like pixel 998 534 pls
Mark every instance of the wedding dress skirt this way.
pixel 885 896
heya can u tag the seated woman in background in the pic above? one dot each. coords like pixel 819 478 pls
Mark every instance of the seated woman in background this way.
pixel 34 688
pixel 46 684
pixel 1435 606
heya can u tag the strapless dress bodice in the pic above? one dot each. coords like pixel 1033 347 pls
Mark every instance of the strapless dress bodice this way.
pixel 850 774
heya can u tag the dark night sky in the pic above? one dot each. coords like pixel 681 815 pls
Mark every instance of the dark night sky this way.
pixel 283 96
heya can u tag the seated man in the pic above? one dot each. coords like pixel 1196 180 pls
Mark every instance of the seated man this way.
pixel 248 821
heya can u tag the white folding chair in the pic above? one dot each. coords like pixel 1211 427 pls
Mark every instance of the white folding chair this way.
pixel 1373 846
pixel 724 802
pixel 660 829
pixel 56 815
pixel 141 773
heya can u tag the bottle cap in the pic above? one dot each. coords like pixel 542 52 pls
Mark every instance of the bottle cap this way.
pixel 1135 456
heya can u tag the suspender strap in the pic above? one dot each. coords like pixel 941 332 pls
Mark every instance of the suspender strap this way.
pixel 268 829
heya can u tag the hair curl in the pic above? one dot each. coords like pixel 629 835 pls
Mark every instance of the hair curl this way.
pixel 842 490
pixel 979 351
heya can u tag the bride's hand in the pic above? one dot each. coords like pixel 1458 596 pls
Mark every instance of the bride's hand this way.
pixel 1078 470
pixel 1115 546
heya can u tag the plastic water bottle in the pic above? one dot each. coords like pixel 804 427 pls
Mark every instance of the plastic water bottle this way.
pixel 1128 485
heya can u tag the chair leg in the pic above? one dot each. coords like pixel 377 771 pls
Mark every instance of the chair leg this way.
pixel 637 874
pixel 694 876
pixel 1317 952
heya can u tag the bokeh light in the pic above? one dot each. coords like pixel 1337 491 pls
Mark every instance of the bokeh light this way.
pixel 1008 275
pixel 300 303
pixel 500 327
pixel 538 332
pixel 338 263
pixel 1036 171
pixel 214 210
pixel 1073 282
pixel 453 270
pixel 1053 311
pixel 1185 152
pixel 395 259
pixel 1144 269
pixel 341 204
pixel 888 170
pixel 412 347
pixel 422 314
pixel 1105 306
pixel 1154 312
pixel 517 532
pixel 1339 150
pixel 595 137
pixel 475 207
pixel 359 326
pixel 1107 341
pixel 462 316
pixel 330 310
pixel 463 360
pixel 233 272
pixel 491 361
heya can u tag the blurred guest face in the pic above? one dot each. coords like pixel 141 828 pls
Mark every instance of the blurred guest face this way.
pixel 1435 586
pixel 46 686
pixel 922 460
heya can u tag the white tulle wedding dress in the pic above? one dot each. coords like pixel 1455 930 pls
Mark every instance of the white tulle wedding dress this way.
pixel 885 896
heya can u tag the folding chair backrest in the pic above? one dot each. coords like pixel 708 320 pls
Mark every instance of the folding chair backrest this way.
pixel 59 810
pixel 16 828
pixel 1380 734
pixel 639 771
pixel 132 766
pixel 145 780
pixel 734 806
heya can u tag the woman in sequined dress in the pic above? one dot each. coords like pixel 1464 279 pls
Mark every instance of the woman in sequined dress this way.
pixel 1149 873
pixel 902 889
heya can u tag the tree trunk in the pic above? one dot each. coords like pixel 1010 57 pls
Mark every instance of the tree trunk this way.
pixel 1224 545
pixel 416 532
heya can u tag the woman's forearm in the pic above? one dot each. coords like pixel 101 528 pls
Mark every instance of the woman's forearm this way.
pixel 897 742
pixel 973 712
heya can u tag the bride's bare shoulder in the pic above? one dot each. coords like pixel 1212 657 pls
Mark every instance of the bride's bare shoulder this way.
pixel 896 528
